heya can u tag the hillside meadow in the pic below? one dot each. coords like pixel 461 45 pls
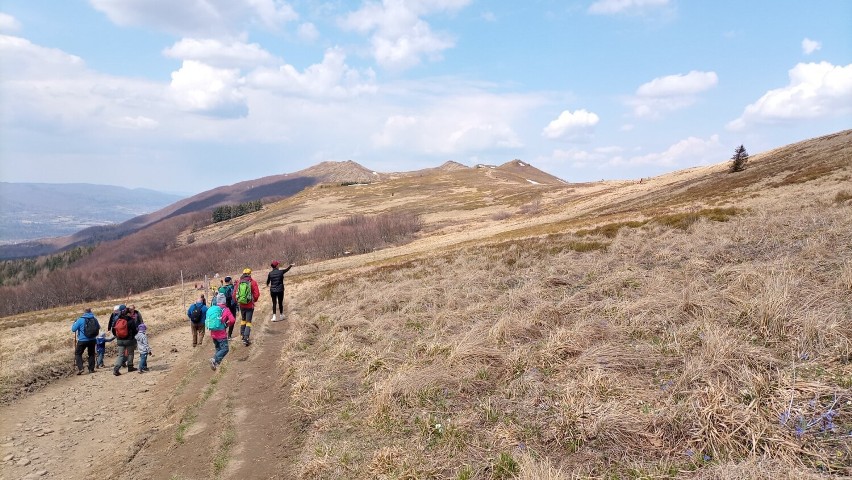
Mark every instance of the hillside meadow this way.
pixel 694 325
pixel 718 351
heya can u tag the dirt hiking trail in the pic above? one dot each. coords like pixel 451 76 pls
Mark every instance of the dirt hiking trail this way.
pixel 181 420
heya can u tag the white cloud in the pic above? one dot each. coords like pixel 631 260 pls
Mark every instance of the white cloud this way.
pixel 197 18
pixel 308 32
pixel 609 7
pixel 218 53
pixel 810 46
pixel 572 126
pixel 816 90
pixel 456 125
pixel 331 78
pixel 687 152
pixel 580 158
pixel 136 123
pixel 669 93
pixel 400 38
pixel 200 88
pixel 9 23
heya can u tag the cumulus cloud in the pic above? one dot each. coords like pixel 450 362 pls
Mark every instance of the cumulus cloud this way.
pixel 201 88
pixel 308 32
pixel 572 126
pixel 456 125
pixel 810 46
pixel 331 78
pixel 816 90
pixel 669 93
pixel 197 18
pixel 400 38
pixel 581 158
pixel 687 152
pixel 8 23
pixel 231 54
pixel 49 92
pixel 610 7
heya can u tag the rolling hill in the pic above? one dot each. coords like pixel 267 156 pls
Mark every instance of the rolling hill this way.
pixel 693 325
pixel 266 189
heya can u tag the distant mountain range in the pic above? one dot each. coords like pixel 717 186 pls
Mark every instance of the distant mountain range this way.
pixel 77 216
pixel 30 211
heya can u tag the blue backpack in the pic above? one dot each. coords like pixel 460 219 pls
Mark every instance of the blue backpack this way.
pixel 214 318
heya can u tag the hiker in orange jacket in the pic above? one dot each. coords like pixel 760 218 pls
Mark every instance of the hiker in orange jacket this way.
pixel 246 302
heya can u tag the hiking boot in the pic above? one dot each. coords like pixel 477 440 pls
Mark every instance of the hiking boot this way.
pixel 116 373
pixel 80 372
pixel 131 369
pixel 213 364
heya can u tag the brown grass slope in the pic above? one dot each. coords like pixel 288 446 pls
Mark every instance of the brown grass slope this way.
pixel 695 325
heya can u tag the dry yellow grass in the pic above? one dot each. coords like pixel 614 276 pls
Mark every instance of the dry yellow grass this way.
pixel 520 349
pixel 670 352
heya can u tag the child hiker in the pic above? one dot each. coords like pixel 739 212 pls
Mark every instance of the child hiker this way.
pixel 100 348
pixel 217 321
pixel 143 348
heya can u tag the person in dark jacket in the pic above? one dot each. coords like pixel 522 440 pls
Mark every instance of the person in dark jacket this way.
pixel 85 342
pixel 199 311
pixel 116 311
pixel 275 282
pixel 125 342
pixel 136 315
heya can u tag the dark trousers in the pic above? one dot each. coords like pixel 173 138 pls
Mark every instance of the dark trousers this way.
pixel 231 326
pixel 279 298
pixel 78 354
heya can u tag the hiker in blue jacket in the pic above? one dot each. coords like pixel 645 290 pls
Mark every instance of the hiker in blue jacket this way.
pixel 86 328
pixel 196 313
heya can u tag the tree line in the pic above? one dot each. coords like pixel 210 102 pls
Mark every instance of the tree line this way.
pixel 14 272
pixel 148 259
pixel 227 212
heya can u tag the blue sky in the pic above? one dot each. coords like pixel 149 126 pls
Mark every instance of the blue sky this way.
pixel 186 96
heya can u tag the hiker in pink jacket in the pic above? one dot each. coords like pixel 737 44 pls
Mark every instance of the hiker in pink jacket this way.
pixel 219 318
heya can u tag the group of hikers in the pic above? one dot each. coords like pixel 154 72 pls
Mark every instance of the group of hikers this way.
pixel 130 332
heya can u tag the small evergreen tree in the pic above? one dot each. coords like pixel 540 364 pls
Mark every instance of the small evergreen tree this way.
pixel 739 159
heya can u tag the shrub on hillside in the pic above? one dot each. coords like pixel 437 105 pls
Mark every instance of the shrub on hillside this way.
pixel 147 260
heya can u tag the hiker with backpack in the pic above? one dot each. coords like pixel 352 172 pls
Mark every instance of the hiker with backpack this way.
pixel 86 327
pixel 246 293
pixel 116 311
pixel 124 329
pixel 218 319
pixel 275 282
pixel 228 290
pixel 197 312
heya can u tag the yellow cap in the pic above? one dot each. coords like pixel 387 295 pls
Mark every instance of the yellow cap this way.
pixel 247 271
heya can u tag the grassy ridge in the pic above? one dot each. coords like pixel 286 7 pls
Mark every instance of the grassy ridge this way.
pixel 708 349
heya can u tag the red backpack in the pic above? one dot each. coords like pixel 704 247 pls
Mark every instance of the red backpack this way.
pixel 121 329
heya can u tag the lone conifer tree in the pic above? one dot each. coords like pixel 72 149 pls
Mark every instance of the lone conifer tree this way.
pixel 739 159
